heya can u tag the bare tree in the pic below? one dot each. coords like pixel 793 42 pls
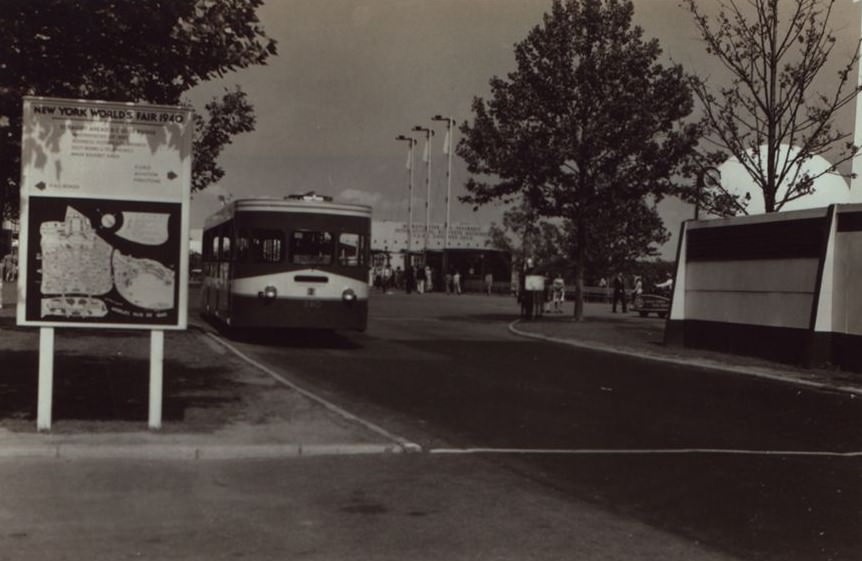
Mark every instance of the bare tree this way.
pixel 775 57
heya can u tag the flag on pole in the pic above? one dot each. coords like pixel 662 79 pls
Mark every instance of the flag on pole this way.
pixel 409 162
pixel 447 140
pixel 425 151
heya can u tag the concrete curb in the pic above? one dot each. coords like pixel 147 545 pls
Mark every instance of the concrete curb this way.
pixel 699 363
pixel 189 452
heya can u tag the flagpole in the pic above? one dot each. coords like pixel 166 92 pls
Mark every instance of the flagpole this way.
pixel 427 157
pixel 412 142
pixel 447 149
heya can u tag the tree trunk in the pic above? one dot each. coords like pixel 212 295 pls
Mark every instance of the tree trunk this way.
pixel 580 259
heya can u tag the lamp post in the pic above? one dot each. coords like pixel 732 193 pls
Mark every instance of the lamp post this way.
pixel 447 149
pixel 702 175
pixel 411 143
pixel 427 157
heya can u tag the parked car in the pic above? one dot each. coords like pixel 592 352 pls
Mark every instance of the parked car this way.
pixel 645 304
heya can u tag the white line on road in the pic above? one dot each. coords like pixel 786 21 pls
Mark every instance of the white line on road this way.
pixel 641 451
pixel 405 444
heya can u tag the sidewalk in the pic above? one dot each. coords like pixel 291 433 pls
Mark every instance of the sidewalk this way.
pixel 216 404
pixel 630 334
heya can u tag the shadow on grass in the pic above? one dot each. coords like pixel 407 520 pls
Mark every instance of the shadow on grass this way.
pixel 88 388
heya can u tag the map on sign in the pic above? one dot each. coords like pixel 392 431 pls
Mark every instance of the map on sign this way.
pixel 143 282
pixel 105 195
pixel 83 274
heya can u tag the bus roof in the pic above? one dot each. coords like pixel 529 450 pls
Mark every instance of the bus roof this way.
pixel 314 205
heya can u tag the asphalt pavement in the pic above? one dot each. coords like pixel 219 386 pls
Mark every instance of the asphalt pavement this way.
pixel 226 400
pixel 223 403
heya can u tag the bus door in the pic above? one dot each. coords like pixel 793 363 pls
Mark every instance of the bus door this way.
pixel 224 271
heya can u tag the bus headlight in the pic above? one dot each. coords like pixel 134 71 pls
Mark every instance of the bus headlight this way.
pixel 269 293
pixel 348 296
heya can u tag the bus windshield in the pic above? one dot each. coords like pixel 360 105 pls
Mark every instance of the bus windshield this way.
pixel 311 248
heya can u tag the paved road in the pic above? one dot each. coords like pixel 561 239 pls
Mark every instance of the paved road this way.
pixel 696 450
pixel 382 507
pixel 620 458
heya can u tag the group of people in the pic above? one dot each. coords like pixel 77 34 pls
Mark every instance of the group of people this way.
pixel 621 292
pixel 547 296
pixel 417 279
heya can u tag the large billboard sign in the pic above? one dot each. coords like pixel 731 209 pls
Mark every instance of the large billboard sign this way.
pixel 104 214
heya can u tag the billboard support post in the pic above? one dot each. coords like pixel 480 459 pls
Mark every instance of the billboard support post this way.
pixel 46 378
pixel 157 353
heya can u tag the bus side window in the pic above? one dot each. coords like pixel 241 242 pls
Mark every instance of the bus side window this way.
pixel 267 246
pixel 216 248
pixel 242 245
pixel 225 247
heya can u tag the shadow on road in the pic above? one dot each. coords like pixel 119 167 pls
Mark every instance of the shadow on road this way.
pixel 292 338
pixel 481 318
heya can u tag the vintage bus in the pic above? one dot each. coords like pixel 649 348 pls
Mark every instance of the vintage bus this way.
pixel 298 262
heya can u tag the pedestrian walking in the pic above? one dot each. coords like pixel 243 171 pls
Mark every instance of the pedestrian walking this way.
pixel 429 278
pixel 409 279
pixel 666 286
pixel 420 280
pixel 638 289
pixel 546 293
pixel 619 292
pixel 525 297
pixel 387 278
pixel 603 284
pixel 456 282
pixel 558 288
pixel 489 283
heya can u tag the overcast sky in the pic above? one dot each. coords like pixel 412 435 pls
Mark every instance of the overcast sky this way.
pixel 353 74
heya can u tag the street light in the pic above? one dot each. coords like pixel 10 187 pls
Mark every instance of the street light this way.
pixel 447 149
pixel 427 157
pixel 702 175
pixel 411 143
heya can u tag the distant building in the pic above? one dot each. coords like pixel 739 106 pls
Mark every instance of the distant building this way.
pixel 468 251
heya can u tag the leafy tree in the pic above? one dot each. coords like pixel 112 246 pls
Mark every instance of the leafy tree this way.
pixel 774 53
pixel 228 116
pixel 619 246
pixel 586 127
pixel 522 234
pixel 633 231
pixel 127 50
